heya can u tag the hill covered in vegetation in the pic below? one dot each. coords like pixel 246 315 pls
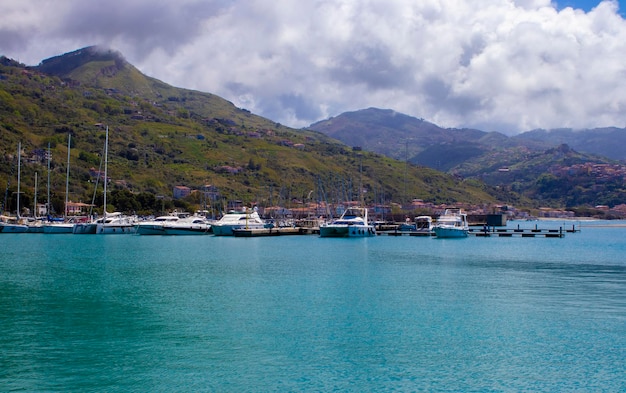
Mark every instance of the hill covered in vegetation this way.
pixel 162 137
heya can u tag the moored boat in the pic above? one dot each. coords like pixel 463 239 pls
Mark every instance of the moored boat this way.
pixel 245 219
pixel 352 223
pixel 452 223
pixel 174 224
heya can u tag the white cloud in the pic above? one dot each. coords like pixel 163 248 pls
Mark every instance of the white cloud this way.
pixel 492 64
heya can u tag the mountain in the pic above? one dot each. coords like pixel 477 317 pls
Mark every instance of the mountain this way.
pixel 391 133
pixel 162 137
pixel 523 163
pixel 606 142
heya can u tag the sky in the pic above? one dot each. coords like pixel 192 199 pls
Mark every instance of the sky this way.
pixel 496 65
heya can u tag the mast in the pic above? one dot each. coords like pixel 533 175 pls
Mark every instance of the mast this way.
pixel 19 170
pixel 67 176
pixel 35 205
pixel 48 202
pixel 106 163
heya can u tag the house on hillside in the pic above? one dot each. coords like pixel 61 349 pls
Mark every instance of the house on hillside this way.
pixel 181 192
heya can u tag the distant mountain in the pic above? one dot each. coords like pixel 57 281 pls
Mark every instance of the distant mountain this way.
pixel 608 142
pixel 516 163
pixel 391 133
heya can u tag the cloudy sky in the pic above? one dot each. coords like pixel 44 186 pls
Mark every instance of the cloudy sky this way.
pixel 497 65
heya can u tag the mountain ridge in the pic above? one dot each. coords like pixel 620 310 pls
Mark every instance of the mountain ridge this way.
pixel 162 136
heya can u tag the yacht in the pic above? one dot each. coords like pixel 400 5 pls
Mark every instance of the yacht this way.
pixel 245 219
pixel 352 223
pixel 452 223
pixel 174 224
pixel 115 223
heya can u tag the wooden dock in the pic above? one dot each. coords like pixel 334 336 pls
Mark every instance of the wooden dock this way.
pixel 554 233
pixel 405 233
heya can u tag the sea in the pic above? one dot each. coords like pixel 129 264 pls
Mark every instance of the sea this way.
pixel 129 313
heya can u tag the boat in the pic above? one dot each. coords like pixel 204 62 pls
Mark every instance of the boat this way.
pixel 85 228
pixel 452 223
pixel 154 227
pixel 174 224
pixel 115 223
pixel 58 227
pixel 245 219
pixel 14 224
pixel 64 226
pixel 424 224
pixel 112 223
pixel 352 223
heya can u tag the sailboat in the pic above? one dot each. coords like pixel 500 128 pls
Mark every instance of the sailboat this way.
pixel 112 223
pixel 64 226
pixel 14 224
pixel 34 223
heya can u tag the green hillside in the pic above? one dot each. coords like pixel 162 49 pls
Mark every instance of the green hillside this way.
pixel 162 137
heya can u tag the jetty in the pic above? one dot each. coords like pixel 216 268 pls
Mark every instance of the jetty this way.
pixel 486 231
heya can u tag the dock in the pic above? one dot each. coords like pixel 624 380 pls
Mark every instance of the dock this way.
pixel 555 233
pixel 406 233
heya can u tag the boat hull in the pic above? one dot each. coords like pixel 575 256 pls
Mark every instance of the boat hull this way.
pixel 186 231
pixel 85 229
pixel 227 230
pixel 103 229
pixel 13 228
pixel 149 229
pixel 347 231
pixel 58 228
pixel 443 232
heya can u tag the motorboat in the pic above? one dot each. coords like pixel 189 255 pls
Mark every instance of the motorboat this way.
pixel 246 219
pixel 174 224
pixel 352 223
pixel 155 226
pixel 115 223
pixel 452 223
pixel 424 224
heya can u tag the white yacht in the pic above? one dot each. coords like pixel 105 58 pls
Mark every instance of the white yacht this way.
pixel 246 219
pixel 452 223
pixel 352 223
pixel 115 223
pixel 174 224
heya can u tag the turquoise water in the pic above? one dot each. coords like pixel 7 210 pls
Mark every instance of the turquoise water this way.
pixel 302 313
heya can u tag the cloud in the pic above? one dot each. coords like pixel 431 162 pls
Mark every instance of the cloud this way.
pixel 505 65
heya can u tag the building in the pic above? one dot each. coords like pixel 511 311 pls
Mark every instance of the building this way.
pixel 181 192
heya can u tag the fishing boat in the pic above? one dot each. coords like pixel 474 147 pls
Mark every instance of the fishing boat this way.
pixel 452 223
pixel 246 219
pixel 352 223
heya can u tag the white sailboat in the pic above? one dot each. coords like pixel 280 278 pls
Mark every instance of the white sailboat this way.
pixel 112 223
pixel 14 224
pixel 63 226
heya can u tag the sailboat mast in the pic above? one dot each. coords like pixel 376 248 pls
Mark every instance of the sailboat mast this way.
pixel 19 171
pixel 35 204
pixel 48 201
pixel 106 164
pixel 67 176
